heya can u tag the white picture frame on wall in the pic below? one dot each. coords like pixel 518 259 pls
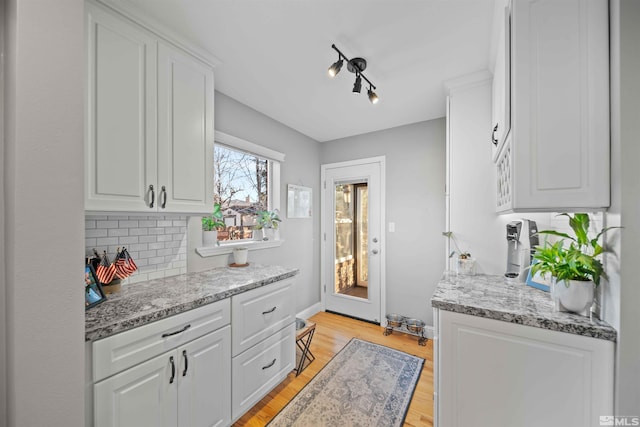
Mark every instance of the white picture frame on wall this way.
pixel 299 201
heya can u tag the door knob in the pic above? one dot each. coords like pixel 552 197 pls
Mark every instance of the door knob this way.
pixel 375 240
pixel 375 251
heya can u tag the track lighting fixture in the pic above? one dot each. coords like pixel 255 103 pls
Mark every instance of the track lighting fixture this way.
pixel 356 66
pixel 357 86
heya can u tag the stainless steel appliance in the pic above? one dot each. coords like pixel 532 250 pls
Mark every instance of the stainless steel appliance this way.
pixel 522 239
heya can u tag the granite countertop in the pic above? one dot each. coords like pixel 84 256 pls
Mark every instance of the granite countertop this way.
pixel 141 303
pixel 495 297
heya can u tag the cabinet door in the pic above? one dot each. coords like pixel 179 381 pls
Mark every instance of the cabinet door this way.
pixel 501 109
pixel 204 382
pixel 261 368
pixel 560 100
pixel 494 373
pixel 260 312
pixel 185 133
pixel 142 396
pixel 120 144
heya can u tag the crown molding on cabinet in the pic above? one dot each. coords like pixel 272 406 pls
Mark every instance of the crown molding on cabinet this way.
pixel 135 15
pixel 468 80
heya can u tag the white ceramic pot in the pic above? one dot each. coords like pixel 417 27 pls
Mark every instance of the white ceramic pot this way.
pixel 209 238
pixel 575 296
pixel 240 256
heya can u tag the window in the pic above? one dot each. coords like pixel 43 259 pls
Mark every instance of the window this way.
pixel 246 181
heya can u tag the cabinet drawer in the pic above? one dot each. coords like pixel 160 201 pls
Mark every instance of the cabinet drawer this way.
pixel 259 369
pixel 259 313
pixel 121 351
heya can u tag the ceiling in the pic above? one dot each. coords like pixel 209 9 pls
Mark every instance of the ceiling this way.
pixel 274 55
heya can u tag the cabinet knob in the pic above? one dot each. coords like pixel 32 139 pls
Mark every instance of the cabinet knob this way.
pixel 493 135
pixel 163 196
pixel 173 370
pixel 153 196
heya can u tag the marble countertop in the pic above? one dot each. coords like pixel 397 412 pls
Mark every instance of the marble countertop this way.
pixel 141 303
pixel 495 297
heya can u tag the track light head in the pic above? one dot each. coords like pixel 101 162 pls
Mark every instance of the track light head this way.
pixel 372 96
pixel 335 67
pixel 357 86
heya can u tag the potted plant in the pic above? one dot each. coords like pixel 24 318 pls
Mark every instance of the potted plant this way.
pixel 210 225
pixel 267 221
pixel 465 265
pixel 576 269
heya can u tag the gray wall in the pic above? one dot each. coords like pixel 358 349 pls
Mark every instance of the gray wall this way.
pixel 415 172
pixel 302 167
pixel 43 213
pixel 623 290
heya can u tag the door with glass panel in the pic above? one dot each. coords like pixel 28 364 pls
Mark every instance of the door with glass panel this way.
pixel 352 239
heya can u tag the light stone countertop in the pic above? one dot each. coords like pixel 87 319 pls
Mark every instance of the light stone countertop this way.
pixel 144 302
pixel 495 297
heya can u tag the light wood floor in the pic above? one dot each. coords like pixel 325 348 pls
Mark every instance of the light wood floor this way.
pixel 332 333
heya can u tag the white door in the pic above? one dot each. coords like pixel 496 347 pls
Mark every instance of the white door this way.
pixel 204 381
pixel 185 133
pixel 142 396
pixel 352 226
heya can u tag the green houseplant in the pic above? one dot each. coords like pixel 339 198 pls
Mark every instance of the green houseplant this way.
pixel 210 225
pixel 267 220
pixel 573 263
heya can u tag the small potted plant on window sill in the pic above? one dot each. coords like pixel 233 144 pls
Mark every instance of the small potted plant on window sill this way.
pixel 575 269
pixel 210 225
pixel 267 221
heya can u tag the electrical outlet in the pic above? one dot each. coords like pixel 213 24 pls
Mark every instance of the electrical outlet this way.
pixel 392 227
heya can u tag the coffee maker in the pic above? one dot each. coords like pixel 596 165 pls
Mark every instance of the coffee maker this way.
pixel 522 239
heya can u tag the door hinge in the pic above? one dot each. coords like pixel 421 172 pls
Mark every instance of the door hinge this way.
pixel 325 237
pixel 325 289
pixel 325 185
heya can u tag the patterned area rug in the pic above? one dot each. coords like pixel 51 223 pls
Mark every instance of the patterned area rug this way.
pixel 365 384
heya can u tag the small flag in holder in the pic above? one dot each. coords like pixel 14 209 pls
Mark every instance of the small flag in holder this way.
pixel 124 264
pixel 106 270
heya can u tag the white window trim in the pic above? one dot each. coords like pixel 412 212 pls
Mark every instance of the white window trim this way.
pixel 227 248
pixel 275 158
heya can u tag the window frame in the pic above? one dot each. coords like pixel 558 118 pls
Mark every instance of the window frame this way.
pixel 275 159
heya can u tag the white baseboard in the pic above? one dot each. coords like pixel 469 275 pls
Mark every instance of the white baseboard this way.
pixel 310 311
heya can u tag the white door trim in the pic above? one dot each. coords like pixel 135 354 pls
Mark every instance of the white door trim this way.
pixel 383 243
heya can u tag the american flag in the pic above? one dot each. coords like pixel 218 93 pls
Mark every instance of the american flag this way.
pixel 106 270
pixel 124 264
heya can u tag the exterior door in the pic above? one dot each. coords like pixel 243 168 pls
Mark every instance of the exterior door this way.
pixel 352 256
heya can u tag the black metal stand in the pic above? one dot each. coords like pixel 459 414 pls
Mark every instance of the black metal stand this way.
pixel 422 340
pixel 303 341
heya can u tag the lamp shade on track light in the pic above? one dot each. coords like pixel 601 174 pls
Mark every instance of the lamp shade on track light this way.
pixel 356 66
pixel 335 68
pixel 357 86
pixel 372 96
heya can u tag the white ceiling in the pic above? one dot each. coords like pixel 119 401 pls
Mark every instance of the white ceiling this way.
pixel 274 55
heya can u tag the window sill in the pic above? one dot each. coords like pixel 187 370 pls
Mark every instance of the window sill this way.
pixel 227 248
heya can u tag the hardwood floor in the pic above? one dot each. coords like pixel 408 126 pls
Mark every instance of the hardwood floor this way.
pixel 332 333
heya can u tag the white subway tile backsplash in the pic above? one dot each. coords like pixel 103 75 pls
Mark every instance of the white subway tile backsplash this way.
pixel 156 243
pixel 107 224
pixel 128 224
pixel 117 232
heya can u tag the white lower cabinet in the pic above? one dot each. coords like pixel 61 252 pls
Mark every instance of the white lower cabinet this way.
pixel 494 373
pixel 261 368
pixel 188 386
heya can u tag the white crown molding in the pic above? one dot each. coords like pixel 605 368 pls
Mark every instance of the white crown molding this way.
pixel 135 15
pixel 468 80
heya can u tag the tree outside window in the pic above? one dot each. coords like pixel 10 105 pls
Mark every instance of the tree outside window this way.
pixel 241 188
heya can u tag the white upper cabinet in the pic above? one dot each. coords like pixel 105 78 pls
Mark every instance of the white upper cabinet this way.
pixel 501 117
pixel 556 156
pixel 185 132
pixel 149 121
